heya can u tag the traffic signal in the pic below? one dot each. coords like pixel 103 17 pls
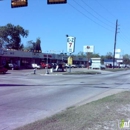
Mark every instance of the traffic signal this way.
pixel 56 1
pixel 19 3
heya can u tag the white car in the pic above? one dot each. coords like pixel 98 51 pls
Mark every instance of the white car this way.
pixel 102 67
pixel 34 65
pixel 72 66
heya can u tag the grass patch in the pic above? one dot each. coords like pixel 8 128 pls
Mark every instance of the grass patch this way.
pixel 116 69
pixel 97 115
pixel 82 73
pixel 70 107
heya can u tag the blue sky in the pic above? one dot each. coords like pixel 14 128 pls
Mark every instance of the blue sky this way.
pixel 92 22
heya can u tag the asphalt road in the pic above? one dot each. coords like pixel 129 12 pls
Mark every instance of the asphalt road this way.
pixel 25 97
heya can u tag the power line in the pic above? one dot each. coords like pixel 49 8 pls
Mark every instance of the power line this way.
pixel 114 17
pixel 93 15
pixel 89 17
pixel 98 13
pixel 105 8
pixel 90 12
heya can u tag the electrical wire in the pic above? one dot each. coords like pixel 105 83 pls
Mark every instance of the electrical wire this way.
pixel 98 13
pixel 90 13
pixel 122 34
pixel 89 18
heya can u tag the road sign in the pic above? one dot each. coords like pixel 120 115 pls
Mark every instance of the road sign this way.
pixel 71 44
pixel 70 60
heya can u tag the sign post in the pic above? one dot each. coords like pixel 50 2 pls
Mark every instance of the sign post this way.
pixel 88 49
pixel 70 49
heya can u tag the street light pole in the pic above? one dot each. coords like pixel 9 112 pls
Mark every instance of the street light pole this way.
pixel 70 65
pixel 115 43
pixel 47 64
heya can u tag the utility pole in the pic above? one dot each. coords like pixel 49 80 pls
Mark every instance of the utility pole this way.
pixel 115 42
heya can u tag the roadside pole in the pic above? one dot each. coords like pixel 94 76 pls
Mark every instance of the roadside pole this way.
pixel 47 65
pixel 115 43
pixel 88 60
pixel 88 49
pixel 70 63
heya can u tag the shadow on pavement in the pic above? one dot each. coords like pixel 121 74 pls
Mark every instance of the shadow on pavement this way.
pixel 5 73
pixel 13 85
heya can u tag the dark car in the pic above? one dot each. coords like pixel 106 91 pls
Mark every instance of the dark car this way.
pixel 81 66
pixel 54 65
pixel 3 69
pixel 16 67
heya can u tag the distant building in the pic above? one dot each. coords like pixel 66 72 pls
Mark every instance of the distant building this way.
pixel 109 62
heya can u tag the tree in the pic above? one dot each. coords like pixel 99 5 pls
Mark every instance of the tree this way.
pixel 81 54
pixel 109 55
pixel 10 36
pixel 102 59
pixel 30 46
pixel 34 46
pixel 91 55
pixel 126 59
pixel 38 45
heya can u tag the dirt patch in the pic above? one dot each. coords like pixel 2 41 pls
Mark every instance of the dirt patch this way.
pixel 103 114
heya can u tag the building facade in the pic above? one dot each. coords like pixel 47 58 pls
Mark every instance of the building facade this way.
pixel 24 58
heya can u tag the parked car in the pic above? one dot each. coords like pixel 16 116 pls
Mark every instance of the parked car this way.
pixel 49 65
pixel 73 66
pixel 16 67
pixel 122 65
pixel 54 65
pixel 81 66
pixel 28 67
pixel 102 67
pixel 43 65
pixel 13 66
pixel 127 66
pixel 10 65
pixel 60 67
pixel 34 65
pixel 66 65
pixel 3 69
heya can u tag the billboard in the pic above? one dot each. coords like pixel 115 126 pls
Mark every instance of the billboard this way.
pixel 19 3
pixel 71 44
pixel 117 50
pixel 88 48
pixel 56 1
pixel 117 56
